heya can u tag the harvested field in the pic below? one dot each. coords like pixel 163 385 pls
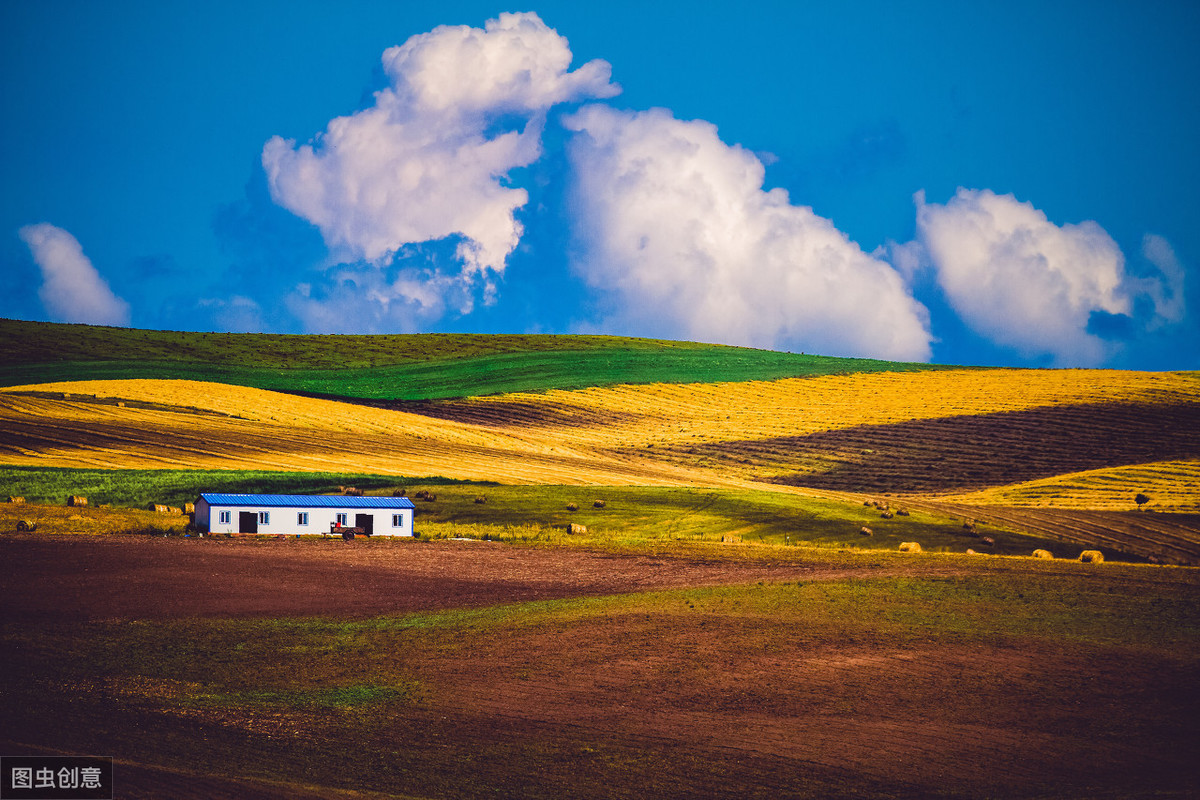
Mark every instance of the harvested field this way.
pixel 1167 538
pixel 963 453
pixel 473 670
pixel 1171 486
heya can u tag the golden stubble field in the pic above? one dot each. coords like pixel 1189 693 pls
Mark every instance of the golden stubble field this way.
pixel 1138 430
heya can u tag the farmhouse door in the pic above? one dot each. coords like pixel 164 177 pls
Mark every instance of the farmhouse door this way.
pixel 366 522
pixel 247 522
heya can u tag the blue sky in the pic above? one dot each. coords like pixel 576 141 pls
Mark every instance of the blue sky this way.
pixel 999 183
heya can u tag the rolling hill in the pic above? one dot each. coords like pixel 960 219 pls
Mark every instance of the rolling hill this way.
pixel 1000 444
pixel 392 367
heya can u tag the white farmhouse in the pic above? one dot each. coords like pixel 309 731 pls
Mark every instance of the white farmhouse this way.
pixel 303 513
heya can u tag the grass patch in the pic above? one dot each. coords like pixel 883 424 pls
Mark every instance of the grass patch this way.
pixel 641 515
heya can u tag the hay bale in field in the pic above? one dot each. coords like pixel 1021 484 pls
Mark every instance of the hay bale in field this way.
pixel 158 508
pixel 1091 557
pixel 576 528
pixel 1043 554
pixel 598 504
pixel 480 500
pixel 76 500
pixel 429 497
pixel 400 493
pixel 865 531
pixel 900 512
pixel 886 515
pixel 910 547
pixel 16 501
pixel 352 491
pixel 422 494
pixel 971 552
pixel 987 540
pixel 572 507
pixel 174 510
pixel 26 525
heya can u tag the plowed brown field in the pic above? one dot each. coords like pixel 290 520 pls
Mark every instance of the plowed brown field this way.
pixel 721 693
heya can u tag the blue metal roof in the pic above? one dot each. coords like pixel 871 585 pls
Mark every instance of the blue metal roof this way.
pixel 304 500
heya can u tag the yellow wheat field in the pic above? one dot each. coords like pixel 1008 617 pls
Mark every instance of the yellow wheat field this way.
pixel 597 436
pixel 203 425
pixel 721 412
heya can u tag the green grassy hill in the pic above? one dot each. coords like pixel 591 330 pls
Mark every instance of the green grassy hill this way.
pixel 392 367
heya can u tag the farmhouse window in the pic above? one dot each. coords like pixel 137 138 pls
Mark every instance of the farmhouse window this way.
pixel 341 520
pixel 397 520
pixel 226 517
pixel 302 518
pixel 264 518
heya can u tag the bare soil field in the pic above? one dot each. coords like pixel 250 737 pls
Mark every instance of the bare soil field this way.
pixel 141 577
pixel 207 667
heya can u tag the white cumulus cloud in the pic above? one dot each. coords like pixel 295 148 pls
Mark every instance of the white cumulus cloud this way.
pixel 429 160
pixel 72 288
pixel 675 225
pixel 1019 279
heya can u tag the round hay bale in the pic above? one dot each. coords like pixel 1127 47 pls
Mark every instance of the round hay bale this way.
pixel 400 493
pixel 1043 554
pixel 16 501
pixel 572 507
pixel 598 504
pixel 76 500
pixel 910 547
pixel 989 541
pixel 575 528
pixel 1091 557
pixel 902 512
pixel 480 500
pixel 865 531
pixel 26 525
pixel 886 515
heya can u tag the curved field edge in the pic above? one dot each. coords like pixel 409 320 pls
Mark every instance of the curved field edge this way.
pixel 393 367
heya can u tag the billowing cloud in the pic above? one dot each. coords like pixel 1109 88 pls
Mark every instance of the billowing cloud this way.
pixel 430 159
pixel 674 224
pixel 1019 279
pixel 72 289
